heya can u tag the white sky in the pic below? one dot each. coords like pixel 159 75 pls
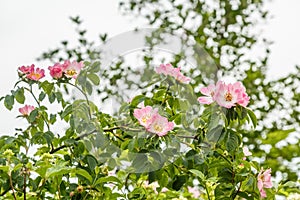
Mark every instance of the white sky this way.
pixel 28 27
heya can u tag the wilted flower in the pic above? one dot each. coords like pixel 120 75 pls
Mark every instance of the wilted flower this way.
pixel 26 110
pixel 32 73
pixel 168 69
pixel 264 181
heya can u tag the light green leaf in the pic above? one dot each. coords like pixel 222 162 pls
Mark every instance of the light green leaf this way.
pixel 198 173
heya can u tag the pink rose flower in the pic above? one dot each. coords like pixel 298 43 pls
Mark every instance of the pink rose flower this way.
pixel 72 69
pixel 160 125
pixel 26 69
pixel 35 74
pixel 226 95
pixel 264 181
pixel 209 93
pixel 194 191
pixel 56 71
pixel 144 115
pixel 168 69
pixel 26 110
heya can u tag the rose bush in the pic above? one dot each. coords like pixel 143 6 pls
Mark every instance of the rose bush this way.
pixel 86 159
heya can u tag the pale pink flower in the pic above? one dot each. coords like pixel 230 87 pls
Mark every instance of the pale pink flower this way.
pixel 264 181
pixel 144 115
pixel 72 69
pixel 56 71
pixel 160 125
pixel 153 185
pixel 26 110
pixel 226 95
pixel 194 191
pixel 35 74
pixel 246 152
pixel 26 69
pixel 209 93
pixel 168 69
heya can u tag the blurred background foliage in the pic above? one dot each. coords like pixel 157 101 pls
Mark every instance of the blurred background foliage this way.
pixel 225 30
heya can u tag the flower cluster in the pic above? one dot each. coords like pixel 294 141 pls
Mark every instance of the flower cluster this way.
pixel 32 73
pixel 67 69
pixel 168 69
pixel 153 121
pixel 226 95
pixel 264 181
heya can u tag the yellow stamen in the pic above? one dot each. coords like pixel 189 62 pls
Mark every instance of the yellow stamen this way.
pixel 71 72
pixel 228 96
pixel 158 128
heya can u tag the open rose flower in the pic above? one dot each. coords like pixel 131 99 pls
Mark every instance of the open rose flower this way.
pixel 26 110
pixel 145 115
pixel 153 121
pixel 264 181
pixel 36 74
pixel 168 69
pixel 72 69
pixel 160 125
pixel 226 95
pixel 209 93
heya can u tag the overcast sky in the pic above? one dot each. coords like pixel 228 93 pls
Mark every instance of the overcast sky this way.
pixel 29 27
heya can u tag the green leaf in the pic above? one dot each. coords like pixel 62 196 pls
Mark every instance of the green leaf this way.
pixel 94 78
pixel 33 115
pixel 95 67
pixel 233 141
pixel 252 117
pixel 47 87
pixel 9 101
pixel 107 179
pixel 19 95
pixel 198 173
pixel 84 174
pixel 214 135
pixel 58 169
